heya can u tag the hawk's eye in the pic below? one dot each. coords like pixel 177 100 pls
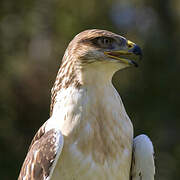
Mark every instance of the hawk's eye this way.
pixel 104 42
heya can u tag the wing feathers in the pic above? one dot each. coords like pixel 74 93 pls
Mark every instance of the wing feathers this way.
pixel 143 167
pixel 42 155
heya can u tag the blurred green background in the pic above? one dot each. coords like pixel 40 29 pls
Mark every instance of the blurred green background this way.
pixel 33 37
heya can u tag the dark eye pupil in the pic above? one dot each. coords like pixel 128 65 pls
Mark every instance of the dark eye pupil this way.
pixel 106 41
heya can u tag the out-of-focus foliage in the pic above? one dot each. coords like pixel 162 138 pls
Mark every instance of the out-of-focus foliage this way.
pixel 33 37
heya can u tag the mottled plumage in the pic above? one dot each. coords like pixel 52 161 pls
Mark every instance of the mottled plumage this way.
pixel 89 134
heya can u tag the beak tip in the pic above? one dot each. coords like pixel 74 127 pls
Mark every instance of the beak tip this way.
pixel 137 51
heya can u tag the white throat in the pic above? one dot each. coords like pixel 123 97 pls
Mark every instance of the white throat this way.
pixel 75 107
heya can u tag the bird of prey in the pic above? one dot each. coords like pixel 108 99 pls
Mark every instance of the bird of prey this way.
pixel 89 135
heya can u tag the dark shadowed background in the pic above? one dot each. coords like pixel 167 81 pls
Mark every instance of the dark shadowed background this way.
pixel 33 37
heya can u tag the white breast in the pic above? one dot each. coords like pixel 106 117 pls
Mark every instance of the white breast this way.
pixel 97 134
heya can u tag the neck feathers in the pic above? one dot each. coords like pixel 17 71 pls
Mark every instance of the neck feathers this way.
pixel 66 77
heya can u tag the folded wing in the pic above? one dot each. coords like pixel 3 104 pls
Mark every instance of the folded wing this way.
pixel 43 154
pixel 143 167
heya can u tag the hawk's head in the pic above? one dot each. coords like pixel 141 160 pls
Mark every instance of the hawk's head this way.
pixel 102 47
pixel 92 57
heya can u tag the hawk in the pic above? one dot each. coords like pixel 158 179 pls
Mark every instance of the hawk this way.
pixel 89 135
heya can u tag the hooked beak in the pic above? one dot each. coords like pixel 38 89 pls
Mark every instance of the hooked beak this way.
pixel 131 49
